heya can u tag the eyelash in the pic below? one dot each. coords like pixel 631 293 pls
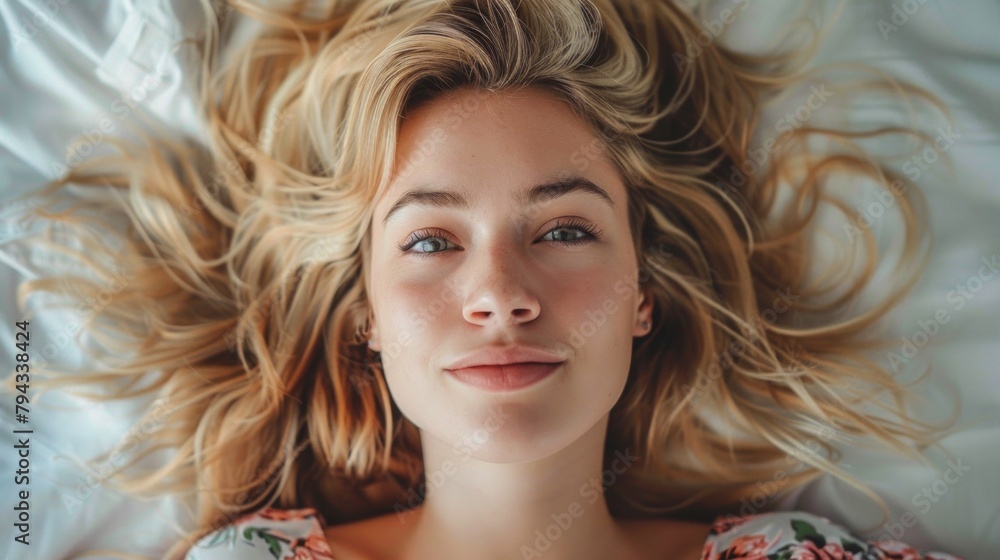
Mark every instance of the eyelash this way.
pixel 592 234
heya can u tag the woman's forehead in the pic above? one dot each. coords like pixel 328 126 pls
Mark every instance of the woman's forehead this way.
pixel 525 136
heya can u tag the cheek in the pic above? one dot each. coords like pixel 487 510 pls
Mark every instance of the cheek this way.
pixel 600 327
pixel 407 334
pixel 403 301
pixel 412 316
pixel 600 305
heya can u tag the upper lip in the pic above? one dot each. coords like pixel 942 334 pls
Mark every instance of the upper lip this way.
pixel 504 355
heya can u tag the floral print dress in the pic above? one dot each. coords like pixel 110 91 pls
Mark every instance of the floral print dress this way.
pixel 797 535
pixel 297 534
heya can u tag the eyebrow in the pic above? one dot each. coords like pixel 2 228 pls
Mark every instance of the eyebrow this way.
pixel 543 192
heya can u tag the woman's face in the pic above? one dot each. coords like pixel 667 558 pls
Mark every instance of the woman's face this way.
pixel 499 271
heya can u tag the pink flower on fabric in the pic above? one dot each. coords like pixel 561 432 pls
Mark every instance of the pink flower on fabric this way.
pixel 747 546
pixel 319 547
pixel 285 514
pixel 896 550
pixel 724 523
pixel 830 551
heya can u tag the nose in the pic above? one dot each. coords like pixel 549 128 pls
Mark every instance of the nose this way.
pixel 499 295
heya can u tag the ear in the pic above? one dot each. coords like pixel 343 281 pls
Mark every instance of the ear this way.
pixel 643 313
pixel 373 337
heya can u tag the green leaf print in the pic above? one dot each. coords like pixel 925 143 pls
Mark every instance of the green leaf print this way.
pixel 805 531
pixel 273 543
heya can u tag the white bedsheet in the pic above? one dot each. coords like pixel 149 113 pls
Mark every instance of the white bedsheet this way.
pixel 71 68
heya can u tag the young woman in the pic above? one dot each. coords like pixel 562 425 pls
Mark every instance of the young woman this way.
pixel 491 279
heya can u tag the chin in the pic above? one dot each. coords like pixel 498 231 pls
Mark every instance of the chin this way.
pixel 522 434
pixel 516 450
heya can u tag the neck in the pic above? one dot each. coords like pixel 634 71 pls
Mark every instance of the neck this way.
pixel 552 507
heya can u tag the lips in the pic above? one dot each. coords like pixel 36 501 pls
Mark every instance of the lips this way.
pixel 504 355
pixel 506 377
pixel 505 368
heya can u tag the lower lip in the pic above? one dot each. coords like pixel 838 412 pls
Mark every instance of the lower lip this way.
pixel 504 378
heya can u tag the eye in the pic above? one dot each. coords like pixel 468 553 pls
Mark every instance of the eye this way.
pixel 426 238
pixel 429 238
pixel 590 233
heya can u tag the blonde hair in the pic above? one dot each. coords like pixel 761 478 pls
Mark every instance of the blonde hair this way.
pixel 246 257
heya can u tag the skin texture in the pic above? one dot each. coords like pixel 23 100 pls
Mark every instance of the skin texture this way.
pixel 502 467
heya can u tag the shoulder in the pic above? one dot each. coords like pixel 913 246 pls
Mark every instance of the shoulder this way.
pixel 798 534
pixel 268 533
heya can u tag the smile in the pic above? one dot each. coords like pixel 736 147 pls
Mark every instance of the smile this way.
pixel 506 377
